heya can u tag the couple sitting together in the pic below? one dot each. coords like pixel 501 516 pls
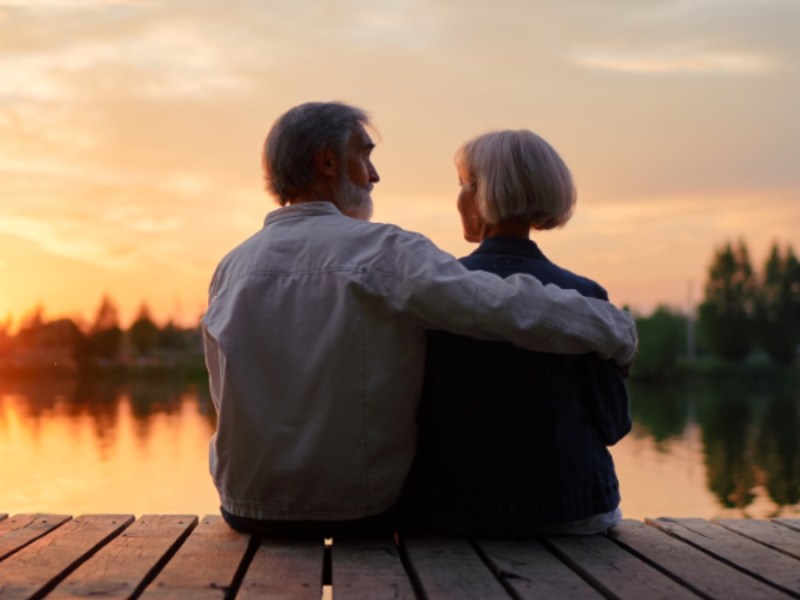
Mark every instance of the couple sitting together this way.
pixel 365 380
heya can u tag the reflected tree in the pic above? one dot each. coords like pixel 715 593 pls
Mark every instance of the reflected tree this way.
pixel 726 432
pixel 778 449
pixel 99 398
pixel 663 410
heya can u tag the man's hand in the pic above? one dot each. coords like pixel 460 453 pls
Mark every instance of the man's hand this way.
pixel 625 370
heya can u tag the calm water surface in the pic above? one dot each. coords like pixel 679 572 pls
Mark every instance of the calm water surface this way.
pixel 140 447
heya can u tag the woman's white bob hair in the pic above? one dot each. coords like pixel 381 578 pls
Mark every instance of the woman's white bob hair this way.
pixel 517 175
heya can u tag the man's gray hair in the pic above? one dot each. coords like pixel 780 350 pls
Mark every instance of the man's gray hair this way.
pixel 517 175
pixel 297 137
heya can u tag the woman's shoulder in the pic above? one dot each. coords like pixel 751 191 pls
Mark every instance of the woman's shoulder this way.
pixel 532 262
pixel 580 283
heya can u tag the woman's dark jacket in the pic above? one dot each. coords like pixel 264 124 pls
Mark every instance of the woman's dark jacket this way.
pixel 512 440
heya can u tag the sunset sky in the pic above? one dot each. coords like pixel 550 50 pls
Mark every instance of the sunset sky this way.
pixel 130 131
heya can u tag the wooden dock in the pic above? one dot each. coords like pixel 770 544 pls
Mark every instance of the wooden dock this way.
pixel 181 556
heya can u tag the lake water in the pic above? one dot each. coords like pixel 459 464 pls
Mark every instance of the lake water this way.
pixel 140 447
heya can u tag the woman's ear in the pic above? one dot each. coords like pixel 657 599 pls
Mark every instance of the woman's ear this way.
pixel 327 162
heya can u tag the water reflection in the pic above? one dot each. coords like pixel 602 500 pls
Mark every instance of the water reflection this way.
pixel 140 446
pixel 105 445
pixel 744 435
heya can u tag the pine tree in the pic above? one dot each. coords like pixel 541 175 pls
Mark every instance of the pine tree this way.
pixel 727 313
pixel 779 306
pixel 105 335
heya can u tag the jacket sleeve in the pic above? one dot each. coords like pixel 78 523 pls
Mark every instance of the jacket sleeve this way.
pixel 438 292
pixel 608 400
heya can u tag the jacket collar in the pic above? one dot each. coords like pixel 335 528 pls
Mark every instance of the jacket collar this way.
pixel 501 245
pixel 302 209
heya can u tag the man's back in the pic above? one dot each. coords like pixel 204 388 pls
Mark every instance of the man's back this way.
pixel 319 381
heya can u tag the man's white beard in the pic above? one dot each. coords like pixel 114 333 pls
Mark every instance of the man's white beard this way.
pixel 354 201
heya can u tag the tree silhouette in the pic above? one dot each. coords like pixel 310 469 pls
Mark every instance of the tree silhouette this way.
pixel 662 339
pixel 779 306
pixel 143 332
pixel 105 336
pixel 171 338
pixel 728 311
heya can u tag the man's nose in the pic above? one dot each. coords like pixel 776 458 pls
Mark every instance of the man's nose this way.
pixel 373 174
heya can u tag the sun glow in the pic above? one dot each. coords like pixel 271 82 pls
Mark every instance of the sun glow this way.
pixel 130 133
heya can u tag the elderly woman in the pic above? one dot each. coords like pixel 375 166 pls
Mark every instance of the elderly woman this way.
pixel 513 442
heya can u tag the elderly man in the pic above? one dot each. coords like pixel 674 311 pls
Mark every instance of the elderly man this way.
pixel 315 337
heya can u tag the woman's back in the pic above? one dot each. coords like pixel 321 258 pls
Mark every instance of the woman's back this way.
pixel 513 442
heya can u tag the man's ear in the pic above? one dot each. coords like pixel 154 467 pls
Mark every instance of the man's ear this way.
pixel 327 162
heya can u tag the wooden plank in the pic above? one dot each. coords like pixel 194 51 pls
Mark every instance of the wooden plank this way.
pixel 20 530
pixel 791 523
pixel 770 534
pixel 447 567
pixel 126 564
pixel 369 569
pixel 533 571
pixel 205 566
pixel 284 569
pixel 695 568
pixel 754 558
pixel 39 566
pixel 614 570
